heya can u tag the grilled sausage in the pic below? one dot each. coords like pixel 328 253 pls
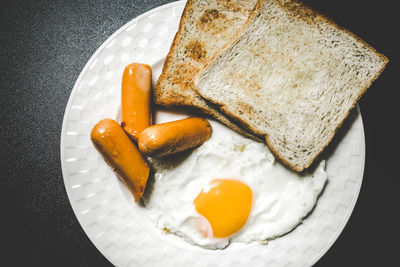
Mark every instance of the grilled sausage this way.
pixel 172 137
pixel 135 99
pixel 122 155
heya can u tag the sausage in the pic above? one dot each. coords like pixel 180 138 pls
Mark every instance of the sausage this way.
pixel 172 137
pixel 122 155
pixel 135 99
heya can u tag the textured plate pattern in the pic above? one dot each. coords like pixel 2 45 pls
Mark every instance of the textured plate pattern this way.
pixel 105 208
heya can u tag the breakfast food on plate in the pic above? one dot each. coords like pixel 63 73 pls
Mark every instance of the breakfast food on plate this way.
pixel 205 27
pixel 122 155
pixel 172 137
pixel 118 150
pixel 230 189
pixel 292 76
pixel 136 99
pixel 289 75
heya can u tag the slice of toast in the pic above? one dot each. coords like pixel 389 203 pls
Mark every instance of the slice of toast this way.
pixel 291 75
pixel 205 27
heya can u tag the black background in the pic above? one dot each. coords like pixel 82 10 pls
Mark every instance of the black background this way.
pixel 45 45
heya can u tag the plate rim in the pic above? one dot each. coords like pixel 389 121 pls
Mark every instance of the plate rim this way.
pixel 358 190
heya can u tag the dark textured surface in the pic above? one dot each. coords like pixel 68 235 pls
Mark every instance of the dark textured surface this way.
pixel 44 46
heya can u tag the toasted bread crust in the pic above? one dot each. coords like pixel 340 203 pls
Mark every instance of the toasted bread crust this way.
pixel 184 96
pixel 158 96
pixel 301 11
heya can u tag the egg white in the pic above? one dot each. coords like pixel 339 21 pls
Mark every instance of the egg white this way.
pixel 281 198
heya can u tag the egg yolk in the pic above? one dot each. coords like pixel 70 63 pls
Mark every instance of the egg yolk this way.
pixel 226 205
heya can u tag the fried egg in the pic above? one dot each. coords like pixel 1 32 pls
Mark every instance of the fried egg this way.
pixel 230 189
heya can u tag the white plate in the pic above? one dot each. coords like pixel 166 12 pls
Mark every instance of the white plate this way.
pixel 105 209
